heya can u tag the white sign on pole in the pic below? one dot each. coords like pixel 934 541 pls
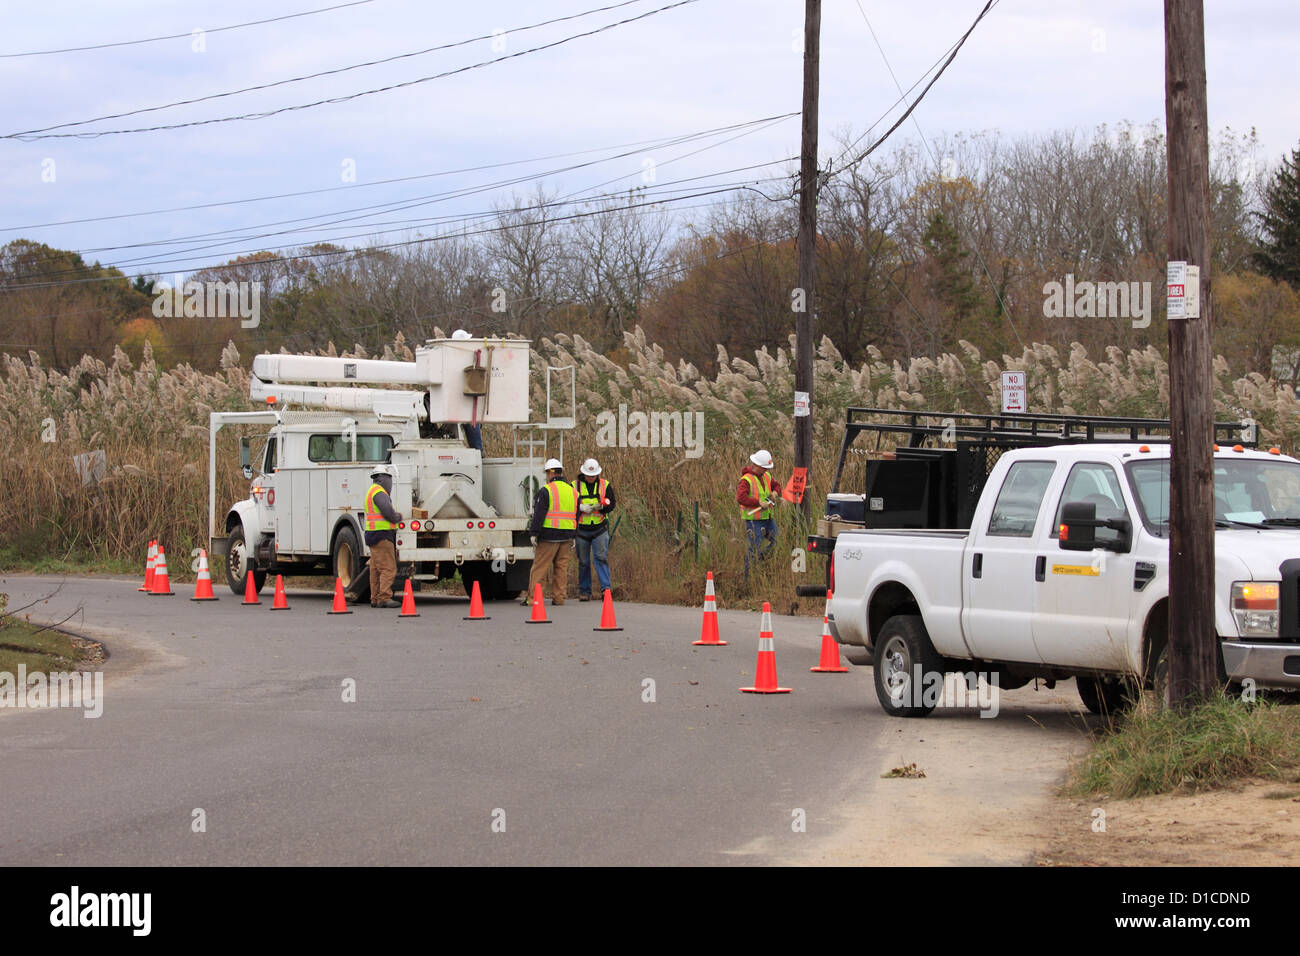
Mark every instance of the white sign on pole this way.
pixel 1183 296
pixel 1015 393
pixel 802 407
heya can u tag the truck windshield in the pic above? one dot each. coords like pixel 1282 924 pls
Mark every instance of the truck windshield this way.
pixel 1247 491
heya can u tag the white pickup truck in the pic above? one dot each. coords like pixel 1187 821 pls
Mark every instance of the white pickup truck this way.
pixel 1009 597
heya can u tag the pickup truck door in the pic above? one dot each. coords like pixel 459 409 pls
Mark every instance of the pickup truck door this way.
pixel 1086 598
pixel 999 564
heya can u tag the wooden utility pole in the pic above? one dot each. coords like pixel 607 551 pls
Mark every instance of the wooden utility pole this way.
pixel 807 242
pixel 1193 671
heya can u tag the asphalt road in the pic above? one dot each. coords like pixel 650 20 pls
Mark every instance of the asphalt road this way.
pixel 468 742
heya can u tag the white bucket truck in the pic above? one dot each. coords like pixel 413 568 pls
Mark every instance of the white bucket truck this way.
pixel 333 419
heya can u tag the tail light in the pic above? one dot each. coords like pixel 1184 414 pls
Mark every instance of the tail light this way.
pixel 401 526
pixel 830 573
pixel 415 526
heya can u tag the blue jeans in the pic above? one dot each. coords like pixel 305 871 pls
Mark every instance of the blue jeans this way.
pixel 600 545
pixel 761 537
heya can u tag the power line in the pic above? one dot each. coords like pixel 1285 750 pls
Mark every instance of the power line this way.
pixel 911 106
pixel 367 211
pixel 342 69
pixel 408 203
pixel 370 250
pixel 662 141
pixel 926 143
pixel 177 36
pixel 33 135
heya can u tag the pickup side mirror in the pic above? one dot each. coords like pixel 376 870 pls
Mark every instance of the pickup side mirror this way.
pixel 1079 524
pixel 246 457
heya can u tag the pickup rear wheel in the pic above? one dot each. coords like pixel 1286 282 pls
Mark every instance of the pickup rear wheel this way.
pixel 1106 697
pixel 906 667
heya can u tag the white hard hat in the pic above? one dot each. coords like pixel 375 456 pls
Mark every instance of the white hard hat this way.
pixel 382 470
pixel 553 464
pixel 590 468
pixel 461 334
pixel 762 458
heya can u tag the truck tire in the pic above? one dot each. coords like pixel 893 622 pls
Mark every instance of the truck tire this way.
pixel 236 563
pixel 491 586
pixel 349 565
pixel 1106 697
pixel 902 652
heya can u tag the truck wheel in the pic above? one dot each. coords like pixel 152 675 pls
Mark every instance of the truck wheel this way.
pixel 903 653
pixel 491 587
pixel 1106 697
pixel 350 567
pixel 237 559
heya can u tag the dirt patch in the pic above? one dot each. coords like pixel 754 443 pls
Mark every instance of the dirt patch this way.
pixel 988 792
pixel 1256 823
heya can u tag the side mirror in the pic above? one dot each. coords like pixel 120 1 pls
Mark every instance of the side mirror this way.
pixel 1078 529
pixel 246 457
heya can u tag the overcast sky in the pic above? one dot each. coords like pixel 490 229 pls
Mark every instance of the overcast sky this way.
pixel 1032 66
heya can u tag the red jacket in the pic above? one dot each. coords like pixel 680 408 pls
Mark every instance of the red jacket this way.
pixel 743 497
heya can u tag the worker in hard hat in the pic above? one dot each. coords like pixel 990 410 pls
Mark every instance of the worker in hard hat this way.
pixel 381 536
pixel 595 502
pixel 757 493
pixel 553 528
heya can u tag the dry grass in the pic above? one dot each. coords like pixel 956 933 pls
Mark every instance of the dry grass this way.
pixel 151 424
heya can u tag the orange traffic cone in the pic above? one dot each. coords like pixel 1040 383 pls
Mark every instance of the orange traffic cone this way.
pixel 830 662
pixel 476 606
pixel 765 669
pixel 161 584
pixel 281 602
pixel 340 602
pixel 408 602
pixel 539 607
pixel 149 562
pixel 607 622
pixel 250 588
pixel 709 626
pixel 203 585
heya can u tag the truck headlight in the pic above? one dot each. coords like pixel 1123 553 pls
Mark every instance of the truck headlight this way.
pixel 1254 606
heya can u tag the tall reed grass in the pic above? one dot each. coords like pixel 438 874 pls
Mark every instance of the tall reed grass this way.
pixel 152 425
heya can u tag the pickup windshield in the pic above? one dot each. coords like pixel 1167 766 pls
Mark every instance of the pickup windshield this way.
pixel 1247 492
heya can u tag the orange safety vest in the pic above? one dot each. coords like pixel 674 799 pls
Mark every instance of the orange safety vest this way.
pixel 754 488
pixel 375 520
pixel 563 511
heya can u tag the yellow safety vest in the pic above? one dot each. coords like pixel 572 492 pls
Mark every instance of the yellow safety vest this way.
pixel 754 489
pixel 563 512
pixel 597 499
pixel 375 520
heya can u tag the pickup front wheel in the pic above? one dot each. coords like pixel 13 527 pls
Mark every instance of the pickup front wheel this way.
pixel 909 672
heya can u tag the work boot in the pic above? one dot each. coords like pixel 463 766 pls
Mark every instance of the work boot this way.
pixel 391 603
pixel 584 597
